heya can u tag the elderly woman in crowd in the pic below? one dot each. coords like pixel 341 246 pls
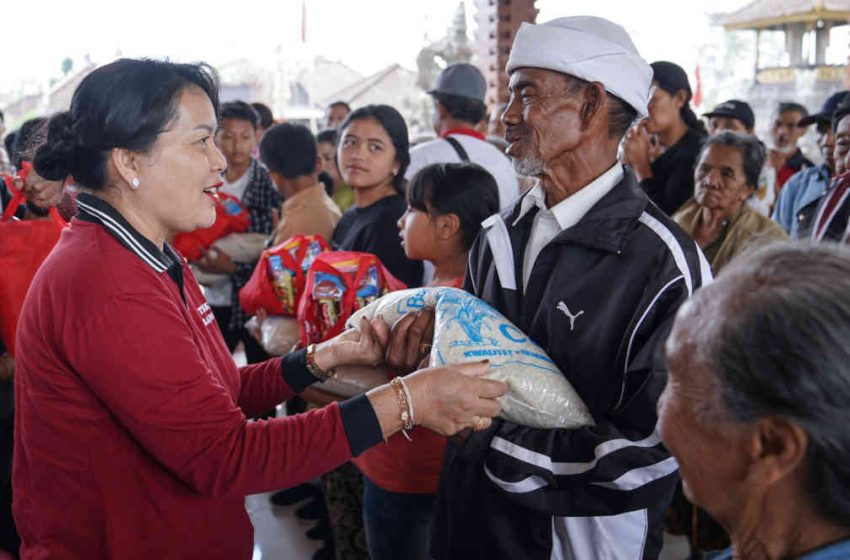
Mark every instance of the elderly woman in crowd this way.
pixel 718 216
pixel 132 438
pixel 758 402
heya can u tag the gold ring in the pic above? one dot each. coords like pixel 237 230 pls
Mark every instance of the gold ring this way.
pixel 424 348
pixel 479 424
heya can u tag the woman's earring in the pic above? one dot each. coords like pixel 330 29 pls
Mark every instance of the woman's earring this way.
pixel 134 182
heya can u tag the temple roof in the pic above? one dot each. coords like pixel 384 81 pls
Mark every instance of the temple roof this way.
pixel 772 14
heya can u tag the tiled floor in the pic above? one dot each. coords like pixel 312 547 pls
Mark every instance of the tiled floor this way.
pixel 278 534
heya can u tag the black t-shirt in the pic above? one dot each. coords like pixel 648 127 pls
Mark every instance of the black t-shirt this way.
pixel 672 181
pixel 373 230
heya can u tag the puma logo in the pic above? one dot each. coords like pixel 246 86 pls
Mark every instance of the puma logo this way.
pixel 566 311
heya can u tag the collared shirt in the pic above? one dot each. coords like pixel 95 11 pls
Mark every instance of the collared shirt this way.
pixel 549 222
pixel 801 190
pixel 95 210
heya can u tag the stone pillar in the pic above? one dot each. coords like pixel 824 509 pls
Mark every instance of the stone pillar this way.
pixel 498 22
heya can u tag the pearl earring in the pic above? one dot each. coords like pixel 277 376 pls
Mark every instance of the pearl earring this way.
pixel 134 182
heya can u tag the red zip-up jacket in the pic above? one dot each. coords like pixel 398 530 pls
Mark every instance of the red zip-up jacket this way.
pixel 131 432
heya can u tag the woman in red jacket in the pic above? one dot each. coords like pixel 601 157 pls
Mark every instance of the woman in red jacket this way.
pixel 132 438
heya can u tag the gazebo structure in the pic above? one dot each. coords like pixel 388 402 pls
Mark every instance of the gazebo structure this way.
pixel 800 72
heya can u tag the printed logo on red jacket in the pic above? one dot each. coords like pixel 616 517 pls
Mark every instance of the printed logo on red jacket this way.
pixel 206 313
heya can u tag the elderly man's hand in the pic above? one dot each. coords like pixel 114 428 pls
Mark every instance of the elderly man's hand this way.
pixel 363 347
pixel 410 340
pixel 214 261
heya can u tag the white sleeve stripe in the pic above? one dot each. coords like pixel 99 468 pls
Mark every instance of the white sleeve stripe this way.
pixel 500 246
pixel 634 332
pixel 566 469
pixel 524 486
pixel 642 476
pixel 667 237
pixel 704 268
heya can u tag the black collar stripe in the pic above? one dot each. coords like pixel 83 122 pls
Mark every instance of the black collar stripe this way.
pixel 127 237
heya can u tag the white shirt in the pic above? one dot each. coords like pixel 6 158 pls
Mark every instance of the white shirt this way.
pixel 219 295
pixel 480 152
pixel 549 222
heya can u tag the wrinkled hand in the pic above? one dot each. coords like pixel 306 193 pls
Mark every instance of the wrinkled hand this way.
pixel 40 191
pixel 7 367
pixel 410 340
pixel 214 261
pixel 450 399
pixel 365 347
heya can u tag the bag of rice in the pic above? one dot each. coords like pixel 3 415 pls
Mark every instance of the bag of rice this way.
pixel 467 329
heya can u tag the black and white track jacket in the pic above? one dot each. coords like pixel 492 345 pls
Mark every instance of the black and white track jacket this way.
pixel 600 300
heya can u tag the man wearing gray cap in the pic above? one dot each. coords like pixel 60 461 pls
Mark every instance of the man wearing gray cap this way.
pixel 593 272
pixel 459 107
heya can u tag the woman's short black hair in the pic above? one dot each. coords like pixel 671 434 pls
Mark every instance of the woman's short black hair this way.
pixel 328 135
pixel 395 127
pixel 290 150
pixel 239 110
pixel 465 189
pixel 264 113
pixel 126 104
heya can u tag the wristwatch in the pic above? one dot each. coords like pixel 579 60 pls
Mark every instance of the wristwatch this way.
pixel 314 368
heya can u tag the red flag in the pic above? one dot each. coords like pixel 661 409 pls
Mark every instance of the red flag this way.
pixel 697 97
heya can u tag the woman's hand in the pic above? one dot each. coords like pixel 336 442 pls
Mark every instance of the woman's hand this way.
pixel 410 340
pixel 365 347
pixel 638 150
pixel 40 191
pixel 214 261
pixel 449 399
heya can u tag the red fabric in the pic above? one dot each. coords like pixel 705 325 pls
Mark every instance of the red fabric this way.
pixel 465 132
pixel 230 217
pixel 131 434
pixel 832 202
pixel 323 317
pixel 266 289
pixel 24 245
pixel 403 466
pixel 782 175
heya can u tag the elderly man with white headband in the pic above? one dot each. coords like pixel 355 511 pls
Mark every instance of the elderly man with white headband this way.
pixel 593 272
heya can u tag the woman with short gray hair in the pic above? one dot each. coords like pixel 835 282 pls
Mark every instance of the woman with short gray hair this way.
pixel 718 217
pixel 757 405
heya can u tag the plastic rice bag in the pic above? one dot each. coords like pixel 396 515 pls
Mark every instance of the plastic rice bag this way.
pixel 467 329
pixel 277 335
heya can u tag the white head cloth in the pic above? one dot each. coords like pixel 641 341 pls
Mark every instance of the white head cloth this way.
pixel 587 47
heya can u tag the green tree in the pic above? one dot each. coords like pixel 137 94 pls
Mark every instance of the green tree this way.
pixel 67 66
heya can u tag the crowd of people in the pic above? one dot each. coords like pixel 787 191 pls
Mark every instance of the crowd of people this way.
pixel 593 211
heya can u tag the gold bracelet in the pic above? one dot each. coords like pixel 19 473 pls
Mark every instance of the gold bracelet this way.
pixel 403 405
pixel 314 368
